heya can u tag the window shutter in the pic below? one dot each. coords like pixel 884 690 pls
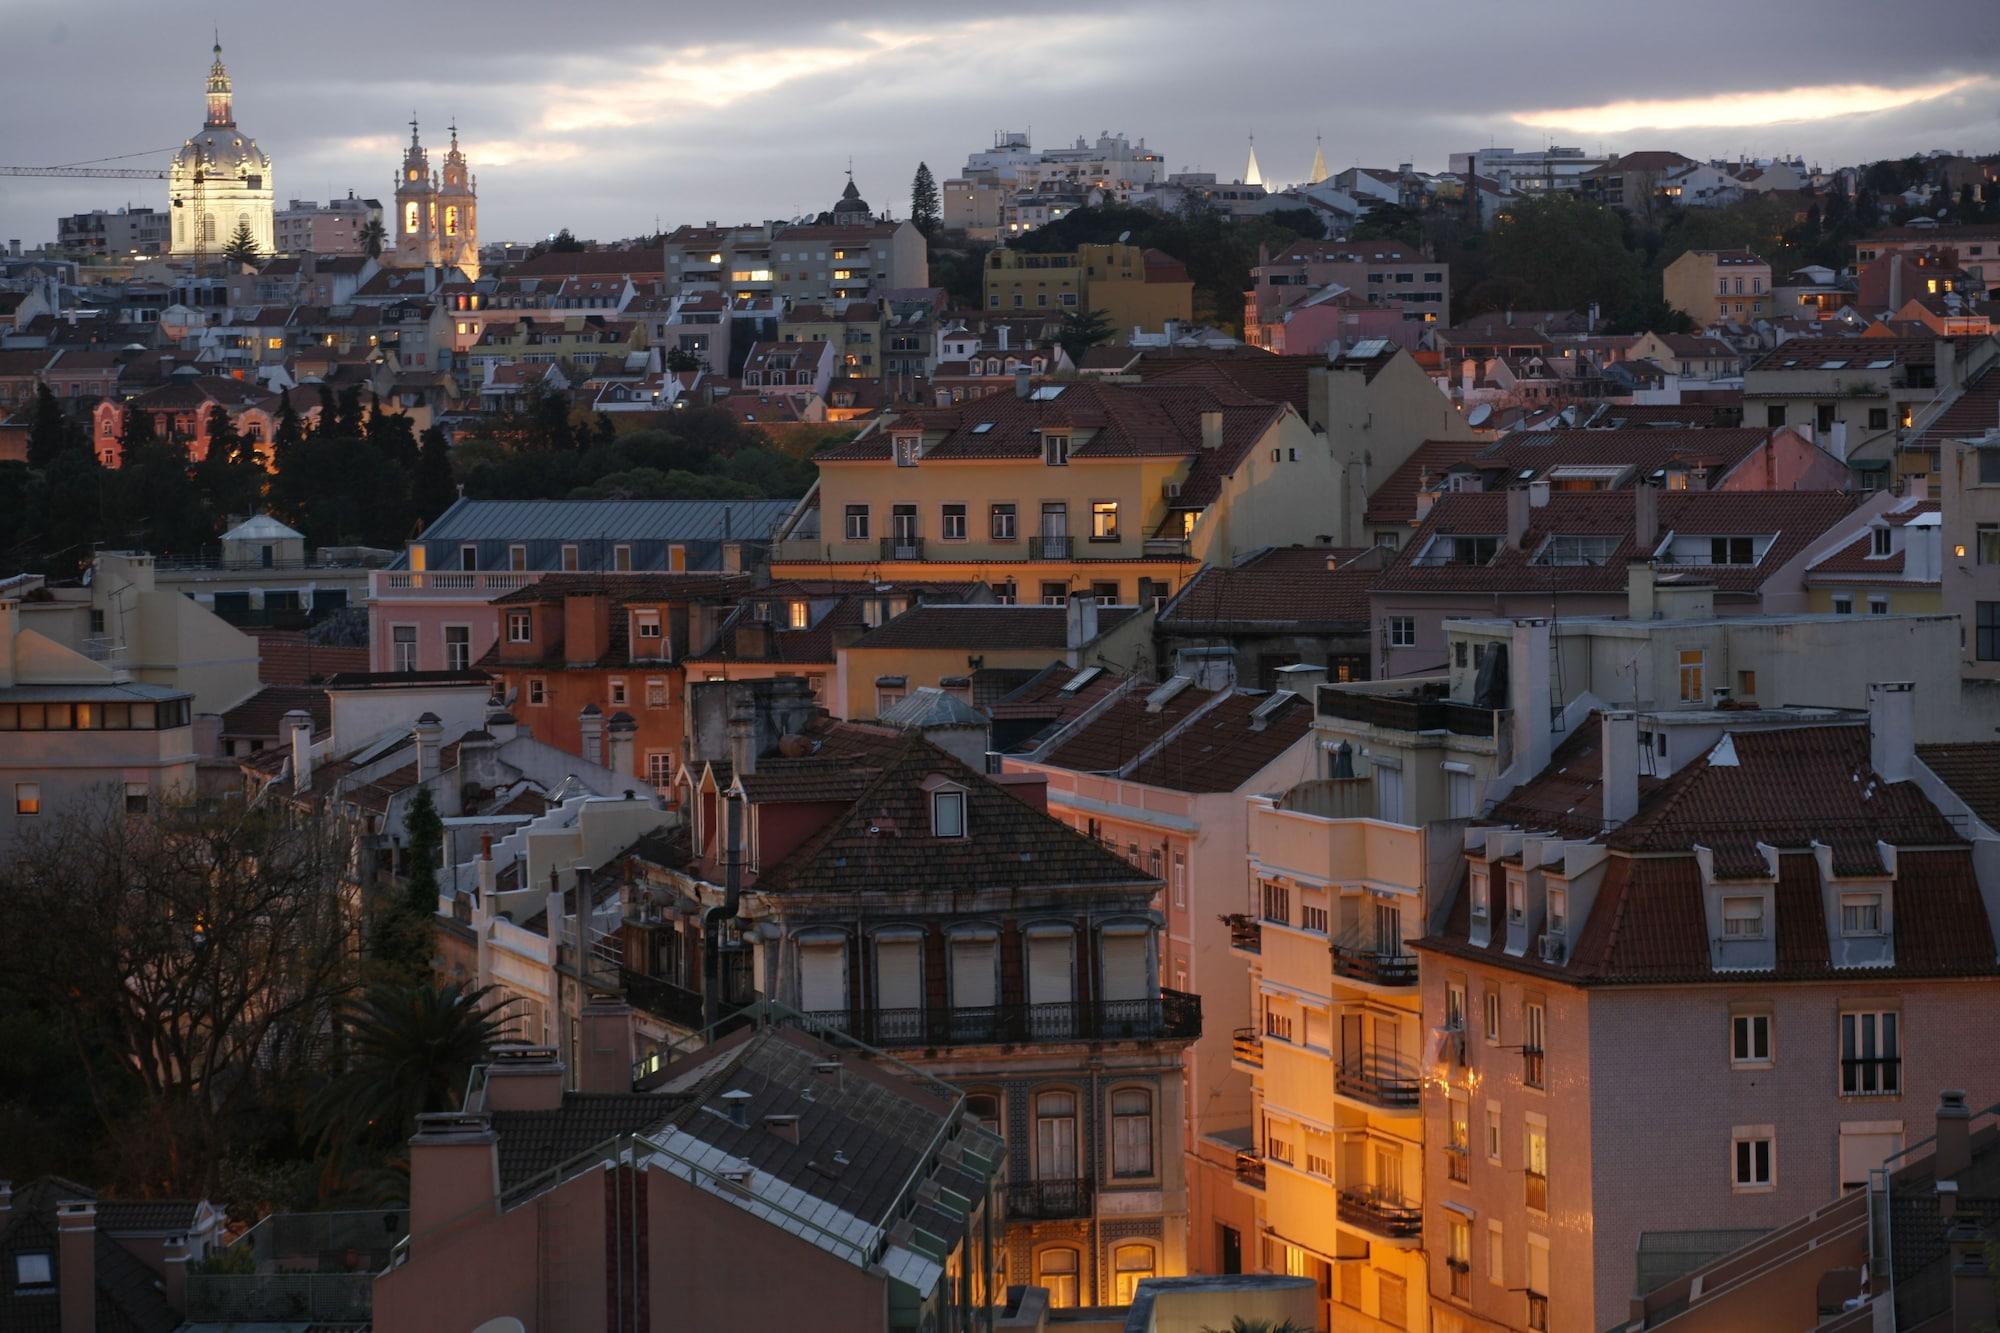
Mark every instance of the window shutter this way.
pixel 1125 967
pixel 972 973
pixel 1861 1153
pixel 822 977
pixel 898 975
pixel 1051 976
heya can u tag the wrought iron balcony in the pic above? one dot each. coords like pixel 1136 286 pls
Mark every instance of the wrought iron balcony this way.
pixel 1247 1045
pixel 1457 1162
pixel 663 999
pixel 1388 1215
pixel 1250 1170
pixel 1246 932
pixel 1047 1200
pixel 1378 1081
pixel 1051 548
pixel 1876 1076
pixel 1534 1072
pixel 1461 1278
pixel 1538 1312
pixel 902 548
pixel 1176 1015
pixel 1360 963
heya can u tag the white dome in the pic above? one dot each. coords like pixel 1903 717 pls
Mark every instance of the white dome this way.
pixel 223 149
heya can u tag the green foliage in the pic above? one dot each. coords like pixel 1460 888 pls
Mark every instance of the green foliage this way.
pixel 1238 1324
pixel 1390 222
pixel 962 274
pixel 238 1260
pixel 1559 252
pixel 680 360
pixel 410 1050
pixel 50 431
pixel 242 247
pixel 1082 330
pixel 432 489
pixel 373 238
pixel 700 454
pixel 924 211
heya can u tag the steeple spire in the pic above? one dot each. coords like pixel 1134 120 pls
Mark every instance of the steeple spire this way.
pixel 1251 175
pixel 413 129
pixel 1318 172
pixel 220 113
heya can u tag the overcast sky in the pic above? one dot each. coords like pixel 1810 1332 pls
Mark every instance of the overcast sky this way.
pixel 604 116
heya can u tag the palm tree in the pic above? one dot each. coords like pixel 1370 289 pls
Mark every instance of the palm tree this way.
pixel 373 238
pixel 410 1050
pixel 1239 1324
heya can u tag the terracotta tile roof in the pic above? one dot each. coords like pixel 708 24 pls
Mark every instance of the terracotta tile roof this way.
pixel 1010 844
pixel 1972 770
pixel 1124 730
pixel 1301 586
pixel 986 627
pixel 1857 561
pixel 285 657
pixel 1796 518
pixel 260 716
pixel 1277 379
pixel 1045 696
pixel 1395 500
pixel 1972 413
pixel 635 261
pixel 1224 747
pixel 1646 448
pixel 1852 353
pixel 1567 797
pixel 1677 414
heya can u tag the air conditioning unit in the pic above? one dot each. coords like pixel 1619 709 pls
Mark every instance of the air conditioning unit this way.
pixel 1171 490
pixel 1553 948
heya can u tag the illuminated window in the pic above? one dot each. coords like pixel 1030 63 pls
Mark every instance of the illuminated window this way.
pixel 1132 1264
pixel 278 344
pixel 451 220
pixel 27 798
pixel 1104 521
pixel 1056 1272
pixel 410 213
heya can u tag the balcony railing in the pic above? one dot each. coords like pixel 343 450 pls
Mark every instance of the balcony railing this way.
pixel 1461 1278
pixel 1538 1312
pixel 1175 1015
pixel 1048 1200
pixel 1533 1070
pixel 1246 932
pixel 397 583
pixel 1877 1076
pixel 1378 1081
pixel 1250 1169
pixel 1385 1214
pixel 1407 712
pixel 1457 1163
pixel 902 548
pixel 1247 1045
pixel 1373 967
pixel 1051 548
pixel 663 999
pixel 1538 1191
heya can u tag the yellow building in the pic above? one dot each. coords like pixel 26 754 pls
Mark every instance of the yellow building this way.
pixel 854 329
pixel 1134 287
pixel 1337 1049
pixel 1117 491
pixel 1894 568
pixel 1709 286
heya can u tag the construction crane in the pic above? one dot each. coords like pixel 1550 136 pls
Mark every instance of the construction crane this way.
pixel 84 171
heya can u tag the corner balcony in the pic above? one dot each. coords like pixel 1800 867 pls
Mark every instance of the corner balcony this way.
pixel 1246 933
pixel 1250 1172
pixel 1359 961
pixel 1423 709
pixel 1381 1215
pixel 1246 1049
pixel 1378 1081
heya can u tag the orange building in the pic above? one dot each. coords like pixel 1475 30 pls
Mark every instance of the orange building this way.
pixel 577 649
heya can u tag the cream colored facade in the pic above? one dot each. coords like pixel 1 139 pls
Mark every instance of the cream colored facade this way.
pixel 1709 286
pixel 1337 1050
pixel 219 179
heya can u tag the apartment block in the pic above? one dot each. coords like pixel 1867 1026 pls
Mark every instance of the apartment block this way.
pixel 1709 286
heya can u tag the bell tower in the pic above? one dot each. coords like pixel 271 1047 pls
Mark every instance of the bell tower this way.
pixel 458 212
pixel 416 207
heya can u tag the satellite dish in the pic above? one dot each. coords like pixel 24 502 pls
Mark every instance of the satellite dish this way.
pixel 1124 236
pixel 1477 416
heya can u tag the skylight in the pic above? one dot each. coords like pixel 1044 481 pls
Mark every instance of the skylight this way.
pixel 1882 365
pixel 1368 348
pixel 1047 393
pixel 982 428
pixel 1838 363
pixel 1081 679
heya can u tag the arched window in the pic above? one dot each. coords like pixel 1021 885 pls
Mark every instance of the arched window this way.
pixel 1131 1132
pixel 1130 1265
pixel 1055 1136
pixel 1056 1270
pixel 451 220
pixel 410 216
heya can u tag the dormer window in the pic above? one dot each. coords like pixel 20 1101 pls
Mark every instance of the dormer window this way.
pixel 948 812
pixel 1558 911
pixel 1860 914
pixel 1881 541
pixel 1743 918
pixel 1055 448
pixel 1732 551
pixel 1479 895
pixel 907 446
pixel 1517 899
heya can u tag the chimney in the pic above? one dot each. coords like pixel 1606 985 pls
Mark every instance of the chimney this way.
pixel 605 1062
pixel 1538 493
pixel 1519 507
pixel 1528 691
pixel 1972 1286
pixel 1006 335
pixel 1021 382
pixel 173 1277
pixel 737 1103
pixel 76 1264
pixel 1892 729
pixel 1081 628
pixel 488 876
pixel 620 736
pixel 590 724
pixel 1645 519
pixel 500 725
pixel 1639 590
pixel 523 1078
pixel 430 745
pixel 1620 755
pixel 1211 428
pixel 1302 679
pixel 743 739
pixel 454 1168
pixel 299 727
pixel 1953 1151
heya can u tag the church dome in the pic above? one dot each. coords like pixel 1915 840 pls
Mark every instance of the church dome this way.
pixel 223 149
pixel 851 203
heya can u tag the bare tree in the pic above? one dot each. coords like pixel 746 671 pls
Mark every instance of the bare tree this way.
pixel 193 958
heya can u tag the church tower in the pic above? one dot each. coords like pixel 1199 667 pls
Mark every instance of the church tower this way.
pixel 219 180
pixel 437 214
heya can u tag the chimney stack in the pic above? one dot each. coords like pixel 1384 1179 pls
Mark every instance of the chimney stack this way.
pixel 173 1281
pixel 76 1264
pixel 620 733
pixel 1620 757
pixel 1953 1151
pixel 605 1062
pixel 1021 382
pixel 430 745
pixel 1211 428
pixel 454 1167
pixel 299 728
pixel 1519 508
pixel 743 738
pixel 1645 519
pixel 590 722
pixel 1081 627
pixel 1892 729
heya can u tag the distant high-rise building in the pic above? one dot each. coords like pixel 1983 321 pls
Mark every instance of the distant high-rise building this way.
pixel 220 180
pixel 114 235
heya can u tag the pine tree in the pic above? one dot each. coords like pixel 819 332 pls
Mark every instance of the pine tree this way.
pixel 924 212
pixel 138 431
pixel 286 433
pixel 433 487
pixel 242 247
pixel 49 432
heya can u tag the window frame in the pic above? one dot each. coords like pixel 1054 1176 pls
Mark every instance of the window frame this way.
pixel 941 799
pixel 1743 1141
pixel 1119 1121
pixel 1746 1027
pixel 520 625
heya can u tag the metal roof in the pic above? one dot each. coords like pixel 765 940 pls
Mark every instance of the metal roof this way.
pixel 625 520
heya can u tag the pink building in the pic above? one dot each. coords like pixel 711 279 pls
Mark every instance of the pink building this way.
pixel 775 1181
pixel 1690 998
